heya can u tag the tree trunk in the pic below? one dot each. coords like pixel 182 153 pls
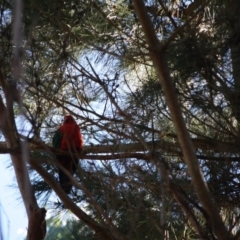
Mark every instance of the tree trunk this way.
pixel 233 12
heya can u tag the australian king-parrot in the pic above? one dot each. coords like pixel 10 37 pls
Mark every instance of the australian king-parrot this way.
pixel 68 138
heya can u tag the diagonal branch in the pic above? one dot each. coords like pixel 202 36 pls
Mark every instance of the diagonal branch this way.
pixel 160 63
pixel 100 230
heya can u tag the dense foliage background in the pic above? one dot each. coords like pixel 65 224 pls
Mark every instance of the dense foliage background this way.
pixel 95 61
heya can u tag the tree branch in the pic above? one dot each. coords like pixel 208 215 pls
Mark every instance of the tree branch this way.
pixel 100 230
pixel 159 59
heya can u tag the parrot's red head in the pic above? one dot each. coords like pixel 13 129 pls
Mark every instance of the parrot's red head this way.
pixel 68 119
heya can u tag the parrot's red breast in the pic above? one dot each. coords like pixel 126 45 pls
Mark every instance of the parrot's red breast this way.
pixel 71 135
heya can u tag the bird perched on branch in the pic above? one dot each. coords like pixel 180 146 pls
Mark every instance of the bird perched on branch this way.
pixel 68 138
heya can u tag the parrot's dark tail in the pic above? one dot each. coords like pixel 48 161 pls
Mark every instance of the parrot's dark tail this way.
pixel 65 182
pixel 70 165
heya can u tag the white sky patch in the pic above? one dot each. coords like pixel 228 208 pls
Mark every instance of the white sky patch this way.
pixel 22 232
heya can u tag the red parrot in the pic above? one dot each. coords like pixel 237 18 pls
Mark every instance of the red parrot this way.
pixel 68 138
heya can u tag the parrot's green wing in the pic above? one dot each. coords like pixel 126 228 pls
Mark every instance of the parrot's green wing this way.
pixel 57 138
